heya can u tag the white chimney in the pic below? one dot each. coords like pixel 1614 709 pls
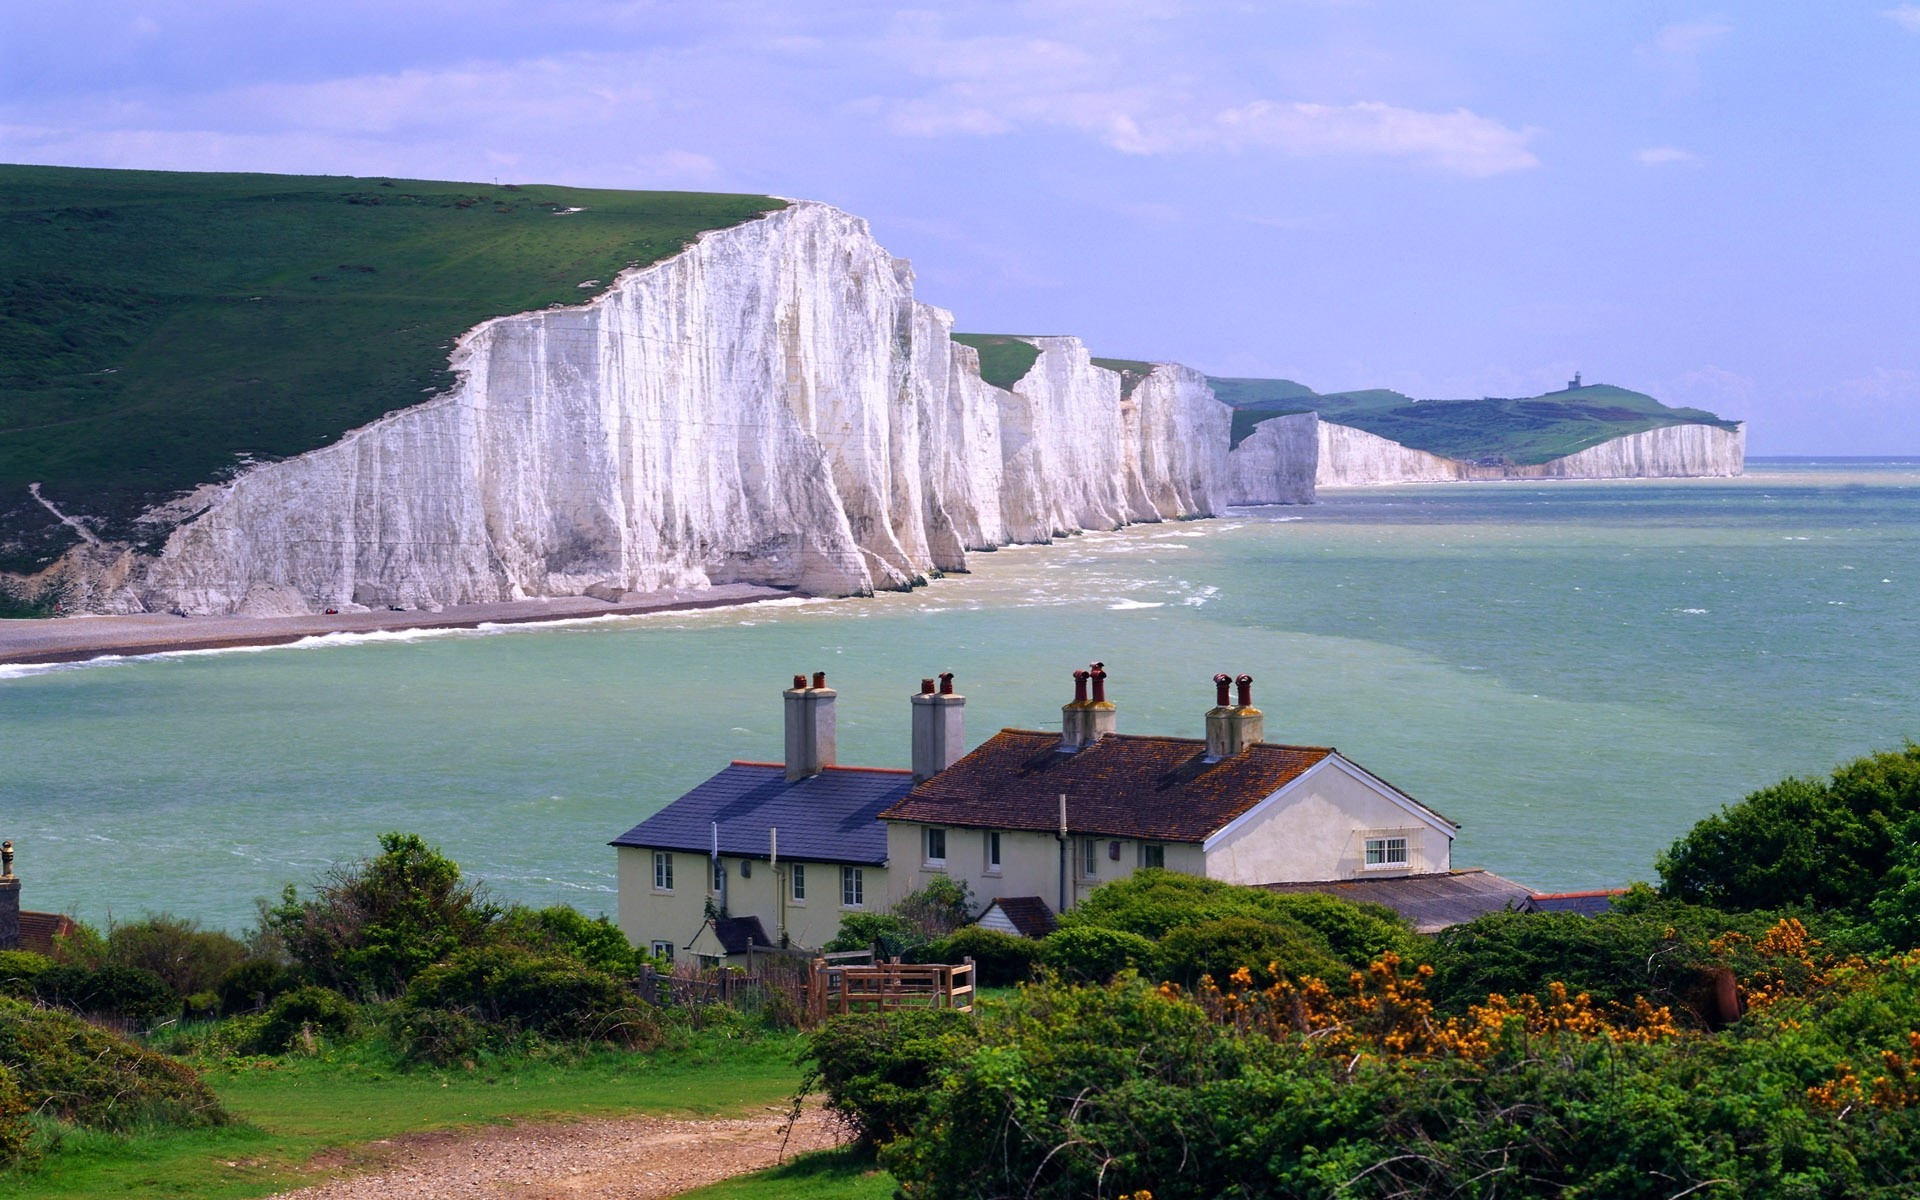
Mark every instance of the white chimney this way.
pixel 1231 727
pixel 939 728
pixel 1085 720
pixel 810 726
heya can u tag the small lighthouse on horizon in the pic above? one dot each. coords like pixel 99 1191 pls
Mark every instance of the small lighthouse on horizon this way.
pixel 1574 382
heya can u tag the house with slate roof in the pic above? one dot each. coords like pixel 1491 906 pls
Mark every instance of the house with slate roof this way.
pixel 1031 821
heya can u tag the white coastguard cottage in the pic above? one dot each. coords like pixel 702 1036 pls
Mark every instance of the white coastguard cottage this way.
pixel 1032 821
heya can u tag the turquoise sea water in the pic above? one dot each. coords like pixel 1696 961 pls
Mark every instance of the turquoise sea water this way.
pixel 1575 672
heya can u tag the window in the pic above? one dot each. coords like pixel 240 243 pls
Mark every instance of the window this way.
pixel 853 887
pixel 797 880
pixel 663 951
pixel 936 847
pixel 993 853
pixel 662 871
pixel 1386 852
pixel 1089 858
pixel 1153 854
pixel 719 877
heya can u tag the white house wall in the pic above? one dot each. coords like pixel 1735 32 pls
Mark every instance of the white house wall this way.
pixel 1316 828
pixel 1029 863
pixel 647 915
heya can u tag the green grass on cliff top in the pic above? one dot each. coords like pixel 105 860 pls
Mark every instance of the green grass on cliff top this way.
pixel 156 326
pixel 1005 358
pixel 1523 431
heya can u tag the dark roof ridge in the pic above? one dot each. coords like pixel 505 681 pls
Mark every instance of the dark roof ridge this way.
pixel 780 766
pixel 1174 737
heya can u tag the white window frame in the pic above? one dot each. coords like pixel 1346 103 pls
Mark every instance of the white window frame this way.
pixel 1153 850
pixel 934 837
pixel 1090 858
pixel 990 847
pixel 663 870
pixel 853 887
pixel 663 950
pixel 719 871
pixel 1384 844
pixel 797 883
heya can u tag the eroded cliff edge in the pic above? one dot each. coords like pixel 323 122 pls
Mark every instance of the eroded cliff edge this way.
pixel 1349 457
pixel 773 405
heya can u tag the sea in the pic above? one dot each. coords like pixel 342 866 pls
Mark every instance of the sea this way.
pixel 1574 672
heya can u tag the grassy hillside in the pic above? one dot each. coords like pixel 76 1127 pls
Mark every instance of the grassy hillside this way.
pixel 1131 371
pixel 1524 430
pixel 158 327
pixel 1004 358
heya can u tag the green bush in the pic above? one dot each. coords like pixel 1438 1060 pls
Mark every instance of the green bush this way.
pixel 551 995
pixel 18 970
pixel 111 991
pixel 372 926
pixel 937 909
pixel 15 1131
pixel 304 1013
pixel 252 985
pixel 190 959
pixel 1822 844
pixel 891 933
pixel 436 1036
pixel 561 929
pixel 1219 946
pixel 879 1069
pixel 1095 954
pixel 999 958
pixel 68 1069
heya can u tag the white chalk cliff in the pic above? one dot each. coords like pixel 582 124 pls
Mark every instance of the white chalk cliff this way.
pixel 772 405
pixel 1350 457
pixel 1276 463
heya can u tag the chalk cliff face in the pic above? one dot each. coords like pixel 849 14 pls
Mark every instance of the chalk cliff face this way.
pixel 771 406
pixel 1277 463
pixel 1355 458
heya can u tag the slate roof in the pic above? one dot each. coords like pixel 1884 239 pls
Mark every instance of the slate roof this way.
pixel 1432 902
pixel 1124 785
pixel 735 934
pixel 830 817
pixel 1028 914
pixel 1586 904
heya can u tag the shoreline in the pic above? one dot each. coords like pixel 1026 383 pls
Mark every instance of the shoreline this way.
pixel 49 641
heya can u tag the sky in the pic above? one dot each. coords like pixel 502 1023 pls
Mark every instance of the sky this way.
pixel 1719 205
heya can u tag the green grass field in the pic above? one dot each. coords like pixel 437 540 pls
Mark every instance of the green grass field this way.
pixel 831 1175
pixel 1004 358
pixel 158 328
pixel 1523 431
pixel 290 1110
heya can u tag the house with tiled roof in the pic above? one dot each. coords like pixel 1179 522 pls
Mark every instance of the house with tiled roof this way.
pixel 1030 820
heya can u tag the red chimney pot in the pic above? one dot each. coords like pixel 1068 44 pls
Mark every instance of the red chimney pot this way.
pixel 799 683
pixel 1099 676
pixel 946 683
pixel 926 687
pixel 819 679
pixel 1220 684
pixel 1079 687
pixel 1246 690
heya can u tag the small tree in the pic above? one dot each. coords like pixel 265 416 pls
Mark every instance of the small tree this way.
pixel 372 926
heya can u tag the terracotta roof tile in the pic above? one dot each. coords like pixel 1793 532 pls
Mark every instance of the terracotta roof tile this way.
pixel 38 929
pixel 1153 788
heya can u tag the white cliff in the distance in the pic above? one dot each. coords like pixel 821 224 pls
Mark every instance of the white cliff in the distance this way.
pixel 1350 457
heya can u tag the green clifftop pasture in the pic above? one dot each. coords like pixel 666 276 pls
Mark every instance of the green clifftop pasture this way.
pixel 1522 431
pixel 159 329
pixel 1004 358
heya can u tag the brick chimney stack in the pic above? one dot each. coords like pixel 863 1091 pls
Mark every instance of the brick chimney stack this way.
pixel 9 900
pixel 810 726
pixel 939 728
pixel 1087 719
pixel 1231 726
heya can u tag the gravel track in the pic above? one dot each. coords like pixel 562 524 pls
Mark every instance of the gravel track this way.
pixel 612 1159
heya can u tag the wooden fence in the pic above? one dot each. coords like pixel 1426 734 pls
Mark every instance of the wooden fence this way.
pixel 882 987
pixel 815 987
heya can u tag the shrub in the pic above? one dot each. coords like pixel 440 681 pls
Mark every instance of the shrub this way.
pixel 372 926
pixel 1095 954
pixel 252 985
pixel 436 1036
pixel 112 991
pixel 878 1069
pixel 894 937
pixel 15 1132
pixel 190 959
pixel 303 1013
pixel 547 994
pixel 937 909
pixel 74 1071
pixel 18 970
pixel 594 942
pixel 1219 946
pixel 999 958
pixel 1823 844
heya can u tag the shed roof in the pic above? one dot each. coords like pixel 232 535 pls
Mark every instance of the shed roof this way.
pixel 1431 902
pixel 1586 904
pixel 1029 915
pixel 829 817
pixel 737 934
pixel 1124 785
pixel 39 929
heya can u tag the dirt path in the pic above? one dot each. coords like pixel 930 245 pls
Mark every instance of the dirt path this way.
pixel 629 1159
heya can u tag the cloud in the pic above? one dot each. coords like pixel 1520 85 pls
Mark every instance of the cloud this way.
pixel 1907 16
pixel 1660 156
pixel 1687 39
pixel 1458 141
